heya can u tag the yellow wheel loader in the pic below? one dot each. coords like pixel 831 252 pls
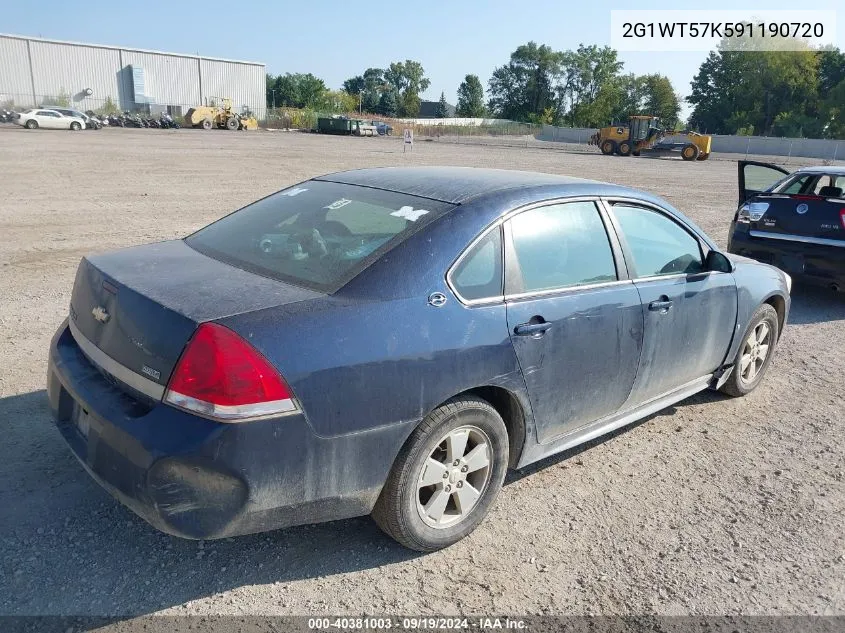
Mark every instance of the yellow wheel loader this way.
pixel 642 134
pixel 223 117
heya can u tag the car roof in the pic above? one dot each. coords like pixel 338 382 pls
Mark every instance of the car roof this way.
pixel 458 185
pixel 838 170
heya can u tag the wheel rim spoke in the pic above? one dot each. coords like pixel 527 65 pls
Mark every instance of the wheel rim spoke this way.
pixel 456 444
pixel 433 473
pixel 762 333
pixel 762 352
pixel 437 504
pixel 477 458
pixel 466 497
pixel 752 370
pixel 744 362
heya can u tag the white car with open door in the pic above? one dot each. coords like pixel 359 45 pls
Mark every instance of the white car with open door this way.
pixel 49 119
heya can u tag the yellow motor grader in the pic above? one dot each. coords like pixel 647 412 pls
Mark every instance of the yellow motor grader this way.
pixel 642 134
pixel 223 117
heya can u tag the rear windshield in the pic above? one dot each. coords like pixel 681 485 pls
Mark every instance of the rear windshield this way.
pixel 317 234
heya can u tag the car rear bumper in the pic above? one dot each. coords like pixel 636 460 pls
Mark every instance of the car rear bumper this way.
pixel 196 478
pixel 811 263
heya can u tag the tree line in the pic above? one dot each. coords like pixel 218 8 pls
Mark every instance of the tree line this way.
pixel 784 93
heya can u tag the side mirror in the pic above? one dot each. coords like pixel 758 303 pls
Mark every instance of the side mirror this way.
pixel 718 262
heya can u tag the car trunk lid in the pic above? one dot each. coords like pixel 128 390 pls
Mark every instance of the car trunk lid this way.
pixel 803 218
pixel 134 309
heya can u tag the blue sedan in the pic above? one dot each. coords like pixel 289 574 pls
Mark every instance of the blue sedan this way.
pixel 390 342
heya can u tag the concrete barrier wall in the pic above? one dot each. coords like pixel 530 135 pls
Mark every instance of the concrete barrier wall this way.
pixel 458 121
pixel 759 145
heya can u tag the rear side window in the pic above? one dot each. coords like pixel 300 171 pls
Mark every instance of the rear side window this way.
pixel 318 234
pixel 479 274
pixel 560 246
pixel 659 245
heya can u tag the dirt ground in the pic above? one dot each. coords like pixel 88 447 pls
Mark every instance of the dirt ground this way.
pixel 715 506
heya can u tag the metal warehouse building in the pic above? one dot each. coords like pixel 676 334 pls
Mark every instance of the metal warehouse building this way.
pixel 36 71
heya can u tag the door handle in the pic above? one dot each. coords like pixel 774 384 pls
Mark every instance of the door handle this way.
pixel 664 304
pixel 531 329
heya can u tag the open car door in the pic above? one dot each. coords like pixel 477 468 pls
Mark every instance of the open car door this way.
pixel 755 177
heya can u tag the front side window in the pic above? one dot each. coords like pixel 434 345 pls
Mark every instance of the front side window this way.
pixel 479 274
pixel 317 234
pixel 658 244
pixel 561 246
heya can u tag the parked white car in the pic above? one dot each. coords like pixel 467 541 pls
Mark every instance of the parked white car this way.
pixel 50 119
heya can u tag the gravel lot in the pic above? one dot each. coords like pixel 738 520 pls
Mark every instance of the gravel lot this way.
pixel 715 506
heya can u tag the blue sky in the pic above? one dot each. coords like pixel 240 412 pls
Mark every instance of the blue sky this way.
pixel 338 39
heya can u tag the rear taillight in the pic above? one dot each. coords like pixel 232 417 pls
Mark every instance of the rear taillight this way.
pixel 221 376
pixel 752 211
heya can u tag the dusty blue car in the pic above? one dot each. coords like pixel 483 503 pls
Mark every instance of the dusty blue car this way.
pixel 390 342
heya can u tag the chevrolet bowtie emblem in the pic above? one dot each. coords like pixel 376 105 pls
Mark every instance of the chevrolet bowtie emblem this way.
pixel 100 314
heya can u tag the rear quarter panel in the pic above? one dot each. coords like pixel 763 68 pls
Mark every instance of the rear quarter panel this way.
pixel 376 353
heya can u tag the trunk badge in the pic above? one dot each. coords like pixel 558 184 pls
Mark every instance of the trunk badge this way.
pixel 801 209
pixel 100 314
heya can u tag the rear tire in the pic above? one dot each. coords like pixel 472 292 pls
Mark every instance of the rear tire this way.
pixel 207 124
pixel 690 152
pixel 624 148
pixel 703 156
pixel 755 352
pixel 608 147
pixel 458 457
pixel 32 124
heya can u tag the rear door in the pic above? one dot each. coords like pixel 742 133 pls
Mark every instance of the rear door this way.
pixel 756 177
pixel 576 323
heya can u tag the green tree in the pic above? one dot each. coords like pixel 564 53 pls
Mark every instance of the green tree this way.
pixel 296 90
pixel 387 105
pixel 471 98
pixel 525 85
pixel 442 110
pixel 735 89
pixel 409 104
pixel 661 100
pixel 354 85
pixel 590 85
pixel 408 80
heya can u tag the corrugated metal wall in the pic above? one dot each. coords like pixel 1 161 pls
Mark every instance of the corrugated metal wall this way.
pixel 71 68
pixel 244 84
pixel 169 80
pixel 14 70
pixel 61 69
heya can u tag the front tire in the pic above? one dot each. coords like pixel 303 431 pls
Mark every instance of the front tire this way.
pixel 446 476
pixel 690 152
pixel 624 148
pixel 608 147
pixel 75 127
pixel 755 352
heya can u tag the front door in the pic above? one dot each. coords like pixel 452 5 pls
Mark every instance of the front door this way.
pixel 755 178
pixel 690 313
pixel 576 325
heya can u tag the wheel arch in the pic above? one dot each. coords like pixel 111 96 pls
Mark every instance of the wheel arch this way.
pixel 779 304
pixel 512 411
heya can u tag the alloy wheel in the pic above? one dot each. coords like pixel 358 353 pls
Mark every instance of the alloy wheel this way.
pixel 454 477
pixel 754 352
